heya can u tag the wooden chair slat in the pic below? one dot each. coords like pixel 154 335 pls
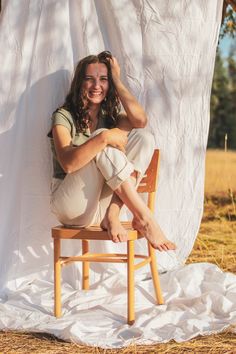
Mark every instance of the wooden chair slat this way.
pixel 148 182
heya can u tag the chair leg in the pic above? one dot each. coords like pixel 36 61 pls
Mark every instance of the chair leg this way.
pixel 57 278
pixel 130 279
pixel 155 276
pixel 85 266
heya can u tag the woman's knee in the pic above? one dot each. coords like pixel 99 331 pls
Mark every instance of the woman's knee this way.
pixel 139 150
pixel 114 166
pixel 144 138
pixel 140 141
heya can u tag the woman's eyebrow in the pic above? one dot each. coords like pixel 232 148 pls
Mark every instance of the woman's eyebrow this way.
pixel 91 76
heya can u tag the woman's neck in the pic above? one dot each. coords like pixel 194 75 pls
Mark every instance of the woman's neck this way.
pixel 93 112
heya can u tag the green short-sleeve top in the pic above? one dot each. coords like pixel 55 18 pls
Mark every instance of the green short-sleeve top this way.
pixel 63 117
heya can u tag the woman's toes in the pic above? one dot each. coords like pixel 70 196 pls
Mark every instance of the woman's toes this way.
pixel 113 237
pixel 165 247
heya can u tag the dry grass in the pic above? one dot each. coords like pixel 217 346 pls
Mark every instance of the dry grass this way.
pixel 220 172
pixel 27 343
pixel 216 243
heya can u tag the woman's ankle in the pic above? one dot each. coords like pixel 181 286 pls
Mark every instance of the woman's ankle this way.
pixel 143 218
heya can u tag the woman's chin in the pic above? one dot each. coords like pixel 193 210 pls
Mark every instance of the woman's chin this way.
pixel 95 101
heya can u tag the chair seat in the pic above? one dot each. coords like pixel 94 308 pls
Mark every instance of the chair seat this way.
pixel 94 232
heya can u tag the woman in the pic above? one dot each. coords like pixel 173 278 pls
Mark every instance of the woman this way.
pixel 99 157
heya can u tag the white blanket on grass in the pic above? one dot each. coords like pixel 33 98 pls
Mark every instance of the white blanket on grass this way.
pixel 199 300
pixel 166 50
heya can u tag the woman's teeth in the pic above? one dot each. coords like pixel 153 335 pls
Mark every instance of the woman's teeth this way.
pixel 95 93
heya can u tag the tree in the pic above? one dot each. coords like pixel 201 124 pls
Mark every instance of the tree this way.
pixel 223 95
pixel 228 24
pixel 232 92
pixel 220 105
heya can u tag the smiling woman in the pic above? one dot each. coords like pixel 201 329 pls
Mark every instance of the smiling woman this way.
pixel 95 88
pixel 96 83
pixel 97 151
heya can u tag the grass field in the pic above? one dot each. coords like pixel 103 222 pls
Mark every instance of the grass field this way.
pixel 216 243
pixel 220 173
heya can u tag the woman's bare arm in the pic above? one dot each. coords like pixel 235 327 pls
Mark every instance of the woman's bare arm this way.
pixel 124 123
pixel 72 158
pixel 135 112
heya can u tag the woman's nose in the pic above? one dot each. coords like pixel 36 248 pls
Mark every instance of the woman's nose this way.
pixel 96 83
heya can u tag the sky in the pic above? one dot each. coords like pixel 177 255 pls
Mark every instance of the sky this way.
pixel 225 44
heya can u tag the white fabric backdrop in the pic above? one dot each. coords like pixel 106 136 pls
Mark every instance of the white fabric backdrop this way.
pixel 166 50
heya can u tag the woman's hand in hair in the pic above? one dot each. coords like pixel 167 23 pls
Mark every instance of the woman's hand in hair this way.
pixel 116 138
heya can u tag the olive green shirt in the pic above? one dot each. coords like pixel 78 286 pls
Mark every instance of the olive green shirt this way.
pixel 63 117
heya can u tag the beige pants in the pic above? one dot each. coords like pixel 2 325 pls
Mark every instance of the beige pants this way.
pixel 84 195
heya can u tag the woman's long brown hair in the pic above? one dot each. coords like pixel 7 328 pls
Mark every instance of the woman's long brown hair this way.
pixel 75 104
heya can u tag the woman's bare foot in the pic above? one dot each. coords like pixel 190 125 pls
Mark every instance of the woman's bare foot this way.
pixel 153 233
pixel 115 230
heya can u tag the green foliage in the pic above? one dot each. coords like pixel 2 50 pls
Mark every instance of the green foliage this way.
pixel 223 95
pixel 223 102
pixel 232 95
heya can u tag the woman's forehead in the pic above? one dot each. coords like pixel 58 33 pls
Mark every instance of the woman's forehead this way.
pixel 96 69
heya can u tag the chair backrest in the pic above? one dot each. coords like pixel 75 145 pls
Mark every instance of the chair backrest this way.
pixel 148 182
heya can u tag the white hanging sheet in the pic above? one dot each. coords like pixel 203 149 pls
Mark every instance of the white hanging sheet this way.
pixel 166 50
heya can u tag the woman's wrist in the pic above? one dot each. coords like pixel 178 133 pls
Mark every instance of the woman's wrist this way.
pixel 117 81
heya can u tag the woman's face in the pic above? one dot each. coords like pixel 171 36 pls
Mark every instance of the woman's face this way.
pixel 95 85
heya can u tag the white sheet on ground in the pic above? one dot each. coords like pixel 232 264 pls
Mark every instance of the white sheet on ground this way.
pixel 199 299
pixel 166 50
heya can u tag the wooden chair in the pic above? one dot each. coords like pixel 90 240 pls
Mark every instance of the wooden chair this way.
pixel 95 233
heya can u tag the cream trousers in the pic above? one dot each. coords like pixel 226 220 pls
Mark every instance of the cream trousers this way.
pixel 82 197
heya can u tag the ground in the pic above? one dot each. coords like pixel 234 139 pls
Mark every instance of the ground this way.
pixel 216 243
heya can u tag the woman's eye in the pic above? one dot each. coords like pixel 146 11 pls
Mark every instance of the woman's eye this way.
pixel 90 79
